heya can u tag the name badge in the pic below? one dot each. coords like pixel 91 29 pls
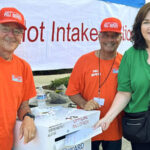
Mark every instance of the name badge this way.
pixel 100 101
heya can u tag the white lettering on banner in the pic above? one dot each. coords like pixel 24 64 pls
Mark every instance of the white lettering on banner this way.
pixel 12 14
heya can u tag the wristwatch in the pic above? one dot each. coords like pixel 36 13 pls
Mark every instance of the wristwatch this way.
pixel 29 115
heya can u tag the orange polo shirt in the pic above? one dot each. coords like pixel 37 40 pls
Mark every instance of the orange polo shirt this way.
pixel 16 86
pixel 85 80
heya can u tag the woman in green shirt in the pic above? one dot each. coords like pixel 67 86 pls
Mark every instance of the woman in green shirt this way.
pixel 134 75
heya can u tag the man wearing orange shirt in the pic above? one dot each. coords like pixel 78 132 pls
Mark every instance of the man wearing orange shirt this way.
pixel 16 81
pixel 93 82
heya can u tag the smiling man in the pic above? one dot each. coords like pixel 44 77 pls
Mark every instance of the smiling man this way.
pixel 16 81
pixel 93 82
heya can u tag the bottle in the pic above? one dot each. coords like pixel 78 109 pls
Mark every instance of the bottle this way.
pixel 41 97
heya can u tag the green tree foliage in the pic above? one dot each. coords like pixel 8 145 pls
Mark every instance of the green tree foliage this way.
pixel 58 82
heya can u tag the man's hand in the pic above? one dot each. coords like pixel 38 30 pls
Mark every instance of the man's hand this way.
pixel 27 129
pixel 86 105
pixel 91 105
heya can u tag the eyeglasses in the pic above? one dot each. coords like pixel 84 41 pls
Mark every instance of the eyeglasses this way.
pixel 6 29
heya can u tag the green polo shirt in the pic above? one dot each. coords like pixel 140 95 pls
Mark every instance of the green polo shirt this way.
pixel 134 77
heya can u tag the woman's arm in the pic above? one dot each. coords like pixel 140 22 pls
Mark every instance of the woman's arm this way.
pixel 120 102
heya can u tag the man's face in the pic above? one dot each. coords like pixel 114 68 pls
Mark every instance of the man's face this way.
pixel 109 41
pixel 10 37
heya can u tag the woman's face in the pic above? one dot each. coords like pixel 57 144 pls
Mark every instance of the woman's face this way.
pixel 145 28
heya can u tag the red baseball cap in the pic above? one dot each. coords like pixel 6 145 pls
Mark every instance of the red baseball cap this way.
pixel 10 14
pixel 111 25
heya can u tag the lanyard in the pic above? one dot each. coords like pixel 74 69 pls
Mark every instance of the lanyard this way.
pixel 101 84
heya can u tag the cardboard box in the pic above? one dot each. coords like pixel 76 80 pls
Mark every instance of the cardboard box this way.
pixel 53 124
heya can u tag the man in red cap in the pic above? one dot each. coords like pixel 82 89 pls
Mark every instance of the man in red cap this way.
pixel 93 82
pixel 16 81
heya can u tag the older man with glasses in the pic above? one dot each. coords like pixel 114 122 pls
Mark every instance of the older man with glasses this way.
pixel 16 81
